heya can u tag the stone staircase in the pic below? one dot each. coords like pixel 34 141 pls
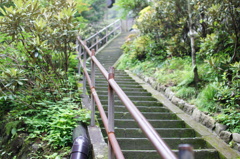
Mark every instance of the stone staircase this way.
pixel 132 141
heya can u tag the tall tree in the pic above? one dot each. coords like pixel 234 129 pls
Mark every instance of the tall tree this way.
pixel 192 34
pixel 45 32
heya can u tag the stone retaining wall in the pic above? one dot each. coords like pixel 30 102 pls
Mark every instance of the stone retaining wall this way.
pixel 230 138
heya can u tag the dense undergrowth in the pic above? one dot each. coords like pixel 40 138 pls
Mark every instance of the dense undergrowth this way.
pixel 40 121
pixel 193 48
pixel 213 96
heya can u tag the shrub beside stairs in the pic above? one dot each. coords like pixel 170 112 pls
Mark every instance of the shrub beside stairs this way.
pixel 132 141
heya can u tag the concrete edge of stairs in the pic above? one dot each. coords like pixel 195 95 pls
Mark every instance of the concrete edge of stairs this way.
pixel 224 149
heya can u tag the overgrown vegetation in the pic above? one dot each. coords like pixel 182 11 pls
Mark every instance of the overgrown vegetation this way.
pixel 39 99
pixel 131 8
pixel 162 50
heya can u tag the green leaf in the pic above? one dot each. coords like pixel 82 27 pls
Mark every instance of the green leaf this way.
pixel 20 83
pixel 14 131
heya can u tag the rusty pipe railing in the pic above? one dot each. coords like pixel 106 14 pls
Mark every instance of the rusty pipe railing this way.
pixel 146 127
pixel 111 135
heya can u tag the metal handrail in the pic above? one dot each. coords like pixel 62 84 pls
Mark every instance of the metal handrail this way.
pixel 117 21
pixel 114 146
pixel 161 147
pixel 146 127
pixel 111 135
pixel 95 40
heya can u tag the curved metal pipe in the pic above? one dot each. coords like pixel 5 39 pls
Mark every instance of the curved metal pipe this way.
pixel 81 148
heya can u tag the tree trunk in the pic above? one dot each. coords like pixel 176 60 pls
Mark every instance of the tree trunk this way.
pixel 192 36
pixel 65 56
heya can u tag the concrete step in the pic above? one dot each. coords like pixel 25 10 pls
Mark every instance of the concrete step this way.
pixel 147 115
pixel 163 132
pixel 133 86
pixel 119 82
pixel 152 154
pixel 133 98
pixel 137 103
pixel 145 144
pixel 116 72
pixel 125 89
pixel 117 78
pixel 129 123
pixel 130 93
pixel 121 108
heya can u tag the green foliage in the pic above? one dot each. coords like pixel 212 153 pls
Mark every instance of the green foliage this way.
pixel 47 122
pixel 208 45
pixel 175 71
pixel 164 35
pixel 166 24
pixel 133 6
pixel 11 128
pixel 13 78
pixel 228 94
pixel 143 48
pixel 38 92
pixel 217 94
pixel 44 33
pixel 55 122
pixel 96 11
pixel 205 99
pixel 4 3
pixel 231 119
pixel 186 92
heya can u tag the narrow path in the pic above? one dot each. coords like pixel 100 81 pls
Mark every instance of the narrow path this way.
pixel 170 126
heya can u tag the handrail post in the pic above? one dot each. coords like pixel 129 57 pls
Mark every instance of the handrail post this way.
pixel 114 26
pixel 78 50
pixel 120 26
pixel 84 65
pixel 93 85
pixel 110 111
pixel 97 39
pixel 185 151
pixel 106 35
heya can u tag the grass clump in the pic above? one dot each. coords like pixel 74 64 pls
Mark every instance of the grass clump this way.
pixel 186 92
pixel 205 99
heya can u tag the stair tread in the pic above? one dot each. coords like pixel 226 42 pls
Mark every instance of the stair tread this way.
pixel 164 138
pixel 155 129
pixel 148 120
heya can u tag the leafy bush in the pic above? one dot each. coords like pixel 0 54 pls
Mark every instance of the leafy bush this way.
pixel 163 43
pixel 55 122
pixel 230 118
pixel 229 89
pixel 47 122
